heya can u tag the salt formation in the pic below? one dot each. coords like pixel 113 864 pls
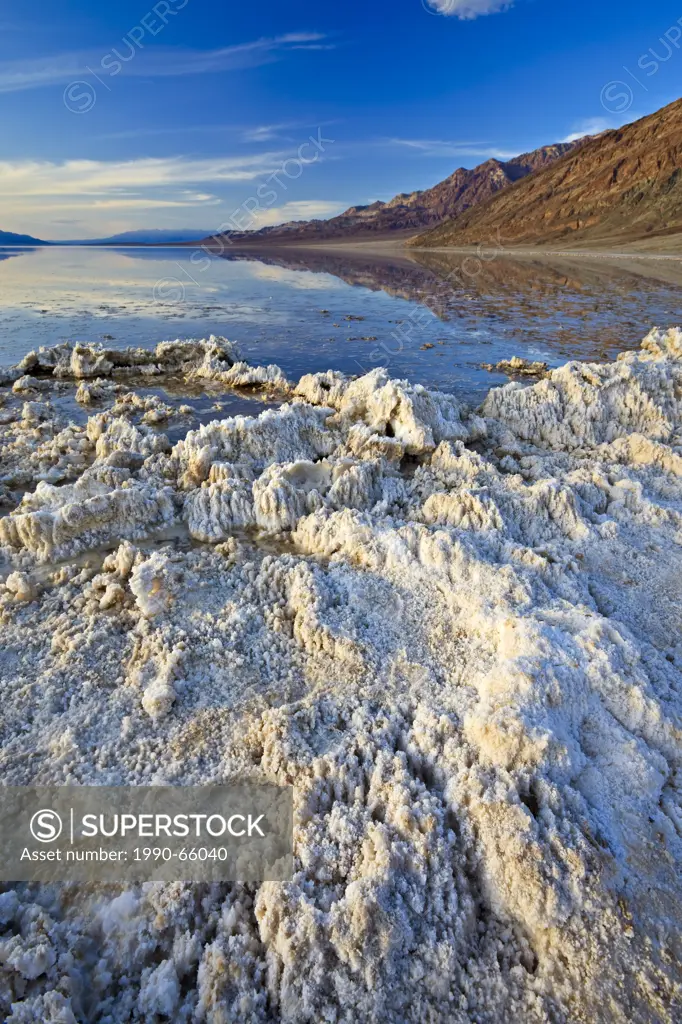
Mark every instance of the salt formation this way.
pixel 103 504
pixel 456 635
pixel 518 367
pixel 79 361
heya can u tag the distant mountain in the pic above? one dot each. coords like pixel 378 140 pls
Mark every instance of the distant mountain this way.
pixel 620 187
pixel 407 213
pixel 151 236
pixel 10 238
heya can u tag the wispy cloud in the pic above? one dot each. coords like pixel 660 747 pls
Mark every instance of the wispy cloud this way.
pixel 267 132
pixel 191 129
pixel 242 133
pixel 449 148
pixel 130 203
pixel 125 59
pixel 300 279
pixel 468 9
pixel 37 194
pixel 592 126
pixel 41 193
pixel 303 209
pixel 83 178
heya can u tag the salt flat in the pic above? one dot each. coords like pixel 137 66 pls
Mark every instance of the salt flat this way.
pixel 456 632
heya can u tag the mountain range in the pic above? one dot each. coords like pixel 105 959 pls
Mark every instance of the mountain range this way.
pixel 407 213
pixel 11 238
pixel 621 187
pixel 152 236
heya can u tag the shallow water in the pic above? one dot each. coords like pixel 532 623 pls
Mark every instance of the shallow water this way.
pixel 432 317
pixel 207 400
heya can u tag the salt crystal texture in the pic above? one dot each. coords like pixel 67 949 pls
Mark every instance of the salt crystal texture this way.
pixel 456 634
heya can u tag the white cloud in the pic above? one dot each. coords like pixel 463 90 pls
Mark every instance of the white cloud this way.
pixel 130 203
pixel 179 129
pixel 85 178
pixel 447 148
pixel 244 133
pixel 37 196
pixel 126 58
pixel 267 132
pixel 300 279
pixel 592 126
pixel 241 219
pixel 467 9
pixel 297 210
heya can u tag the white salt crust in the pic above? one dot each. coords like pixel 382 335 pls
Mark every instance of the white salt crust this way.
pixel 456 635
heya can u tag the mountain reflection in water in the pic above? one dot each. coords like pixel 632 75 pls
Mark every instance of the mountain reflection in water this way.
pixel 579 306
pixel 434 317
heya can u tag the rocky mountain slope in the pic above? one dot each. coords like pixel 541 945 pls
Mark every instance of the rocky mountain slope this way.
pixel 619 187
pixel 409 212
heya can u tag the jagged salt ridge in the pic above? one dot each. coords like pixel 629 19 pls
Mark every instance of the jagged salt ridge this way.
pixel 457 635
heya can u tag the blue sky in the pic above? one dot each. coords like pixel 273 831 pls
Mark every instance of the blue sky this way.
pixel 193 113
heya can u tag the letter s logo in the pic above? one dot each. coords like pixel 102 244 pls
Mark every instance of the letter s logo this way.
pixel 617 97
pixel 79 97
pixel 46 826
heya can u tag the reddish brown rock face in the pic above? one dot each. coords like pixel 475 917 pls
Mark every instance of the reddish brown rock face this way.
pixel 620 187
pixel 408 213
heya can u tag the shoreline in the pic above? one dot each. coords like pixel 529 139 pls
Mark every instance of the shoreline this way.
pixel 392 249
pixel 384 247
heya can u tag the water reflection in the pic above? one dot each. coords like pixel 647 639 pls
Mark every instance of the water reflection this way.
pixel 582 305
pixel 9 251
pixel 434 317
